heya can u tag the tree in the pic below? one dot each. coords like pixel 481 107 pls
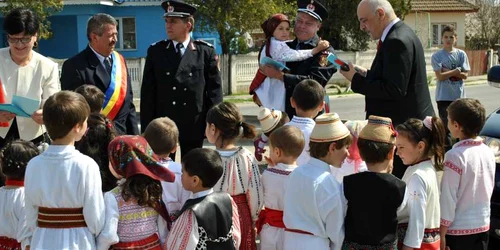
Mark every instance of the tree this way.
pixel 42 8
pixel 483 26
pixel 342 26
pixel 230 18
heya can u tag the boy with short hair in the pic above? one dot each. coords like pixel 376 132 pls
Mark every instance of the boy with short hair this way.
pixel 209 220
pixel 450 65
pixel 307 100
pixel 63 186
pixel 468 180
pixel 93 95
pixel 374 197
pixel 313 210
pixel 286 144
pixel 162 135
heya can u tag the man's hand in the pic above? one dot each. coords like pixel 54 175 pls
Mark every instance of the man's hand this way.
pixel 6 116
pixel 349 74
pixel 271 71
pixel 37 116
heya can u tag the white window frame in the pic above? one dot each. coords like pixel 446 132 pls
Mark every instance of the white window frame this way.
pixel 440 28
pixel 119 20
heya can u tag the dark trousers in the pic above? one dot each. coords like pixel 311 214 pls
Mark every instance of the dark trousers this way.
pixel 186 146
pixel 468 242
pixel 443 114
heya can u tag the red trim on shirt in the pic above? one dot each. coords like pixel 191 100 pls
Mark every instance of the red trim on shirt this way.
pixel 453 167
pixel 445 223
pixel 279 171
pixel 469 231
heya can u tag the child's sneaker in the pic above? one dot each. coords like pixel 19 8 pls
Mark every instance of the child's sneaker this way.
pixel 259 145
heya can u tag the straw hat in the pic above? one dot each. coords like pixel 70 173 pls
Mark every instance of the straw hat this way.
pixel 355 126
pixel 329 128
pixel 379 129
pixel 268 119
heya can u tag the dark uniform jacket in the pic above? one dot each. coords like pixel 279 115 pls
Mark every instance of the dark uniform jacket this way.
pixel 214 214
pixel 85 68
pixel 396 84
pixel 316 67
pixel 182 90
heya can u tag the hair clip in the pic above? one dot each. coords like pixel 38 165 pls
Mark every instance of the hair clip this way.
pixel 109 125
pixel 428 122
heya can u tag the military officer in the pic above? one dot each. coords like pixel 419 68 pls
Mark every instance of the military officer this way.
pixel 181 78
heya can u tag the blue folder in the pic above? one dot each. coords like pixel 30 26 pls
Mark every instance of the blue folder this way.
pixel 21 106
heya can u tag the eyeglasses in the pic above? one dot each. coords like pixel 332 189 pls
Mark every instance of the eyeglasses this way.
pixel 23 40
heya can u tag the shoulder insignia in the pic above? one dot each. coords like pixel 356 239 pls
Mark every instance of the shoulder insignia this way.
pixel 323 60
pixel 203 43
pixel 158 42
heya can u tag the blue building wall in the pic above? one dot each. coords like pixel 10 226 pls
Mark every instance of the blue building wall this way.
pixel 69 29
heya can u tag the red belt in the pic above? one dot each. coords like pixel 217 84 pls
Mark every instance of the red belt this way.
pixel 60 217
pixel 270 216
pixel 297 231
pixel 9 243
pixel 151 243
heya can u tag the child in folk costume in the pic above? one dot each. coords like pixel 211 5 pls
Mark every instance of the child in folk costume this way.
pixel 162 135
pixel 136 217
pixel 353 163
pixel 209 220
pixel 374 197
pixel 100 132
pixel 307 100
pixel 14 157
pixel 286 144
pixel 420 145
pixel 313 211
pixel 270 92
pixel 468 180
pixel 64 203
pixel 241 177
pixel 270 120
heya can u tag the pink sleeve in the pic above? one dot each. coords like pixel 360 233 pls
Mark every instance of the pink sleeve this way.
pixel 184 234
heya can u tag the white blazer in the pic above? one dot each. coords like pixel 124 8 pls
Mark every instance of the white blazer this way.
pixel 38 80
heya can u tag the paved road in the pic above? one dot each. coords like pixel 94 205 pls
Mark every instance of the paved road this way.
pixel 351 107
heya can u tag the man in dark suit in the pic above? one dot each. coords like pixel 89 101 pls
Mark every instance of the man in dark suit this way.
pixel 100 66
pixel 181 78
pixel 396 84
pixel 310 15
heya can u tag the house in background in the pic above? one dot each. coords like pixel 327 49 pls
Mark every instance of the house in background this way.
pixel 140 23
pixel 428 17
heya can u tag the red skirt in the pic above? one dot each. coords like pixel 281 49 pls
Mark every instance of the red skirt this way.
pixel 150 243
pixel 9 243
pixel 431 240
pixel 246 223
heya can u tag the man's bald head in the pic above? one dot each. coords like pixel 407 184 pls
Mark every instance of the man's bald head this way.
pixel 374 16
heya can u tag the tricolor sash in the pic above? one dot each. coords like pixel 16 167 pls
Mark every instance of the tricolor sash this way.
pixel 117 90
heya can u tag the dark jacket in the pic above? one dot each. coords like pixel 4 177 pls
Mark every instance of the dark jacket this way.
pixel 396 84
pixel 85 68
pixel 316 67
pixel 182 90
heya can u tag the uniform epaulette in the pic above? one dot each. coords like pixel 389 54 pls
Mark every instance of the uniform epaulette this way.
pixel 204 43
pixel 158 42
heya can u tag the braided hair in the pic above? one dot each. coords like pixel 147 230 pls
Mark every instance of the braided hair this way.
pixel 15 157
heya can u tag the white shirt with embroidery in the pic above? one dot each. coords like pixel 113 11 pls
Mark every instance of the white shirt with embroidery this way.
pixel 271 92
pixel 273 181
pixel 185 232
pixel 12 215
pixel 305 125
pixel 174 195
pixel 466 187
pixel 422 209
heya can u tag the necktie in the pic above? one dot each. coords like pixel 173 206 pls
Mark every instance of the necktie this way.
pixel 379 44
pixel 179 47
pixel 107 64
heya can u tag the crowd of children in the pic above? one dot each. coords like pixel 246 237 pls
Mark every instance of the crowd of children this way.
pixel 327 185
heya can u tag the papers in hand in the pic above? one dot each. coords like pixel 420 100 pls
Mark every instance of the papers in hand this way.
pixel 21 106
pixel 276 64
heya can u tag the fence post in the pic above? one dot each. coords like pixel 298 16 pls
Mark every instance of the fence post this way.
pixel 232 74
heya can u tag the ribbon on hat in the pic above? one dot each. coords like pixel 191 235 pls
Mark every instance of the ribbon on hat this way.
pixel 428 122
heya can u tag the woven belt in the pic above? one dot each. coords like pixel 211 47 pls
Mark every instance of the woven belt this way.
pixel 60 217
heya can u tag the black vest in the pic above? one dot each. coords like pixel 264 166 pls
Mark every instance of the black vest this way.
pixel 214 214
pixel 372 203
